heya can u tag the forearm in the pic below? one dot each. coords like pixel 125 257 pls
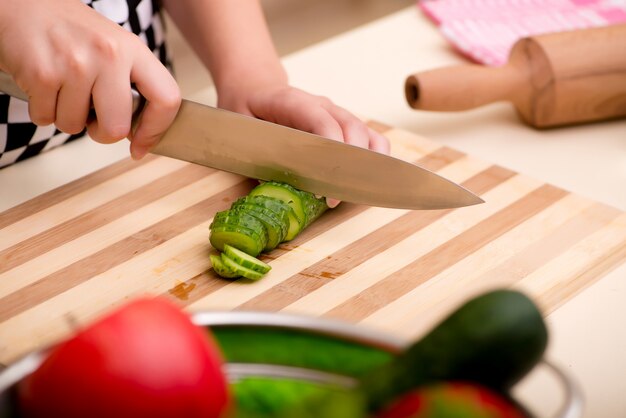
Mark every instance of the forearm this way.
pixel 232 40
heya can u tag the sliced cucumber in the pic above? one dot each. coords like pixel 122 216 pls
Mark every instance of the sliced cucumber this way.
pixel 289 195
pixel 228 217
pixel 240 230
pixel 275 205
pixel 244 239
pixel 294 226
pixel 275 226
pixel 239 269
pixel 246 260
pixel 280 210
pixel 222 269
pixel 272 213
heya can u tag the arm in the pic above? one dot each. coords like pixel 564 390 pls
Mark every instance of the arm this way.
pixel 232 40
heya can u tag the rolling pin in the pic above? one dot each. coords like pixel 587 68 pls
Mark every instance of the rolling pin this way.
pixel 554 79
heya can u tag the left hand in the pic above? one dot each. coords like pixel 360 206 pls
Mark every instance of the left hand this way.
pixel 298 109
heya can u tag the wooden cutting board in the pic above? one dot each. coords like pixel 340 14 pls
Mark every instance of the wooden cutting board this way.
pixel 138 228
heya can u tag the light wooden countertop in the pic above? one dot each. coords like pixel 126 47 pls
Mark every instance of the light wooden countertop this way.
pixel 363 70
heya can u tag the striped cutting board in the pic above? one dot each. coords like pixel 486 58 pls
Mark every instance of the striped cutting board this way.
pixel 136 228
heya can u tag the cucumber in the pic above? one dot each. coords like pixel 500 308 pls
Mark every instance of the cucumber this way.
pixel 292 347
pixel 275 205
pixel 294 226
pixel 313 206
pixel 289 195
pixel 239 230
pixel 272 213
pixel 493 340
pixel 239 269
pixel 246 260
pixel 275 225
pixel 229 217
pixel 220 268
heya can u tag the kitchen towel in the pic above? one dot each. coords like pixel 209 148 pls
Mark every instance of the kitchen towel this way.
pixel 485 30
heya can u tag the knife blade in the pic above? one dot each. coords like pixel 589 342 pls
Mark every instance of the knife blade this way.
pixel 263 150
pixel 267 151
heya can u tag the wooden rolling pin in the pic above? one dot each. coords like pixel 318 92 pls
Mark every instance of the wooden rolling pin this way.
pixel 555 79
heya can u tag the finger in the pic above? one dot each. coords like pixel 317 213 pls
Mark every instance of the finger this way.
pixel 299 111
pixel 42 101
pixel 354 131
pixel 318 121
pixel 42 107
pixel 73 103
pixel 112 102
pixel 378 142
pixel 163 99
pixel 332 203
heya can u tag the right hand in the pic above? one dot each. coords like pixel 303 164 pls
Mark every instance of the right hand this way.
pixel 67 57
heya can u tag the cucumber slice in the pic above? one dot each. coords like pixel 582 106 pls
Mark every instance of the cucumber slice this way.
pixel 246 260
pixel 228 217
pixel 244 239
pixel 289 195
pixel 276 228
pixel 221 269
pixel 279 209
pixel 240 230
pixel 294 226
pixel 241 270
pixel 271 203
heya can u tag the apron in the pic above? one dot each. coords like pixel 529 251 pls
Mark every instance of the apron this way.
pixel 20 138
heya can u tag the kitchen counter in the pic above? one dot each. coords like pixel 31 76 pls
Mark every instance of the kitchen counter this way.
pixel 363 70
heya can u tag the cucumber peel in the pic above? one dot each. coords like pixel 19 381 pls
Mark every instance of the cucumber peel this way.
pixel 239 269
pixel 222 269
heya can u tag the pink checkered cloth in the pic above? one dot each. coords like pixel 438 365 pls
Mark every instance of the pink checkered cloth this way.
pixel 485 30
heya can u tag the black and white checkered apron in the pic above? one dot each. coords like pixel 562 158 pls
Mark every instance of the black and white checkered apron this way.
pixel 19 137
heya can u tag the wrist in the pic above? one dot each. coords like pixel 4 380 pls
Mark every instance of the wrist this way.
pixel 250 79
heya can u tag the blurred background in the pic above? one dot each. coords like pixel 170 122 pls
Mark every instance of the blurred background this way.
pixel 294 24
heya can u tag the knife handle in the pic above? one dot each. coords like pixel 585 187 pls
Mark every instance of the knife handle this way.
pixel 10 87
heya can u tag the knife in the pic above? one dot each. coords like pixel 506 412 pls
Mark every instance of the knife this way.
pixel 263 150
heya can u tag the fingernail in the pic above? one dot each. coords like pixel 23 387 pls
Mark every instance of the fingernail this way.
pixel 137 153
pixel 332 203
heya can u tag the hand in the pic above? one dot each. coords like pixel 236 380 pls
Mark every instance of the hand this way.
pixel 67 57
pixel 295 108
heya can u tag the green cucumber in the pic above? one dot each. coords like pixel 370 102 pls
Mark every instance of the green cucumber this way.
pixel 240 230
pixel 289 195
pixel 246 260
pixel 275 226
pixel 229 217
pixel 292 347
pixel 221 269
pixel 294 226
pixel 239 269
pixel 275 205
pixel 313 206
pixel 493 340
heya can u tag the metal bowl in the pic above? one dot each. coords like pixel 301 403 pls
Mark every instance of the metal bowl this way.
pixel 283 366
